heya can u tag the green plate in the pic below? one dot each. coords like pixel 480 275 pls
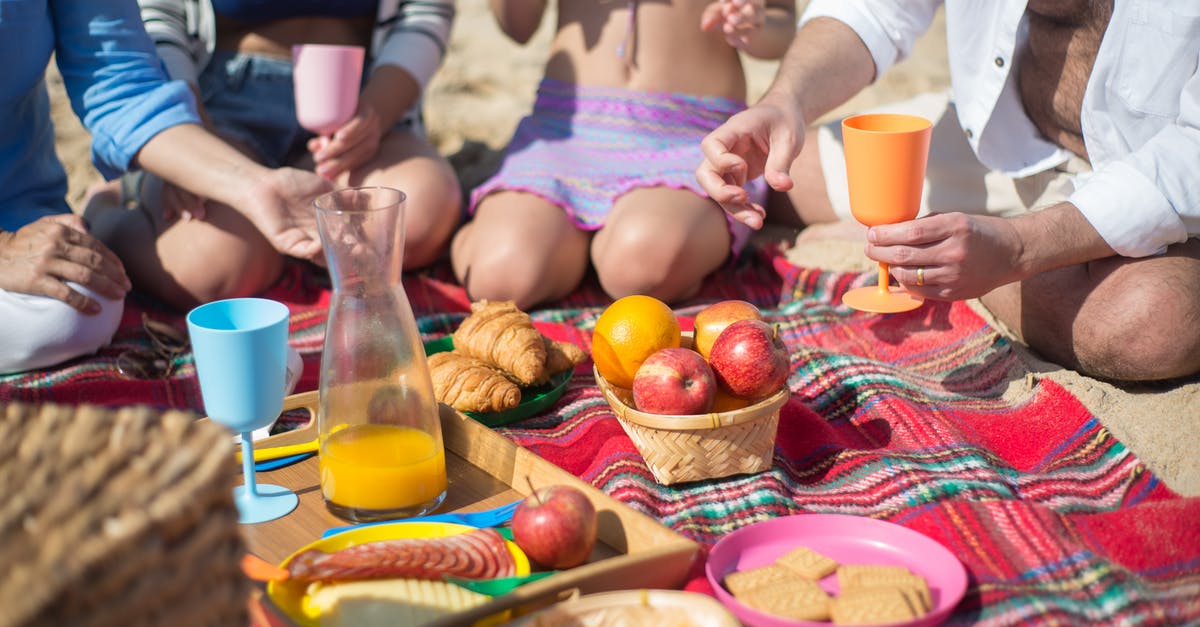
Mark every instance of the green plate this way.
pixel 533 400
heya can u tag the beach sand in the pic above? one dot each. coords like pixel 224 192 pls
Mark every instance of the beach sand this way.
pixel 488 82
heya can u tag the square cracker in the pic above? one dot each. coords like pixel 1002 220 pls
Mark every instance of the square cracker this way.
pixel 797 599
pixel 873 606
pixel 743 581
pixel 858 577
pixel 808 563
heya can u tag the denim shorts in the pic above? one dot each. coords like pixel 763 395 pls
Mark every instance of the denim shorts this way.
pixel 249 100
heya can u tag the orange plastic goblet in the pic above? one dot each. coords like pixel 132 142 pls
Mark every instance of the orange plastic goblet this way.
pixel 885 169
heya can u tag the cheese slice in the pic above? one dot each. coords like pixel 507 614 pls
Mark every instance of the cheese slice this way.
pixel 387 602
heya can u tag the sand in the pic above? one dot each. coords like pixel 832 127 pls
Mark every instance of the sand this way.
pixel 488 82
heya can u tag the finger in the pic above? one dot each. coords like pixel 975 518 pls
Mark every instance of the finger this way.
pixel 751 215
pixel 94 254
pixel 56 289
pixel 96 257
pixel 710 17
pixel 782 151
pixel 919 232
pixel 69 220
pixel 717 187
pixel 345 162
pixel 88 277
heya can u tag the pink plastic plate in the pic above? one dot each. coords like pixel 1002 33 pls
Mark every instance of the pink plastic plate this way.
pixel 847 539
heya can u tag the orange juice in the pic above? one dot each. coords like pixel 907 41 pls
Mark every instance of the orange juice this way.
pixel 382 468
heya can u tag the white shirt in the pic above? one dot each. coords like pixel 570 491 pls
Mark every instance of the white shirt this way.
pixel 1140 114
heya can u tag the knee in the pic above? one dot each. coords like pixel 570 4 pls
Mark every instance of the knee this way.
pixel 494 281
pixel 637 263
pixel 1150 332
pixel 232 270
pixel 40 332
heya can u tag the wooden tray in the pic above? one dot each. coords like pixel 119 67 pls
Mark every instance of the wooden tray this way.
pixel 487 470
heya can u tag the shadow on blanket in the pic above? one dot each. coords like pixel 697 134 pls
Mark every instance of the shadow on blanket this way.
pixel 900 417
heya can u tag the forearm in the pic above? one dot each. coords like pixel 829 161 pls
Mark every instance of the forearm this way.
pixel 778 30
pixel 1055 237
pixel 212 168
pixel 519 19
pixel 391 92
pixel 825 66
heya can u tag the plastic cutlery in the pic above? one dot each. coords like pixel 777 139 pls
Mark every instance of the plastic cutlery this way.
pixel 287 450
pixel 486 518
pixel 275 464
pixel 259 569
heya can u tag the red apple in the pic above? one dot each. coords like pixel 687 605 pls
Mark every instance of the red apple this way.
pixel 713 319
pixel 674 381
pixel 749 360
pixel 555 526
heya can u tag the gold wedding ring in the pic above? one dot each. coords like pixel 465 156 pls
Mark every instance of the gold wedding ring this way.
pixel 920 277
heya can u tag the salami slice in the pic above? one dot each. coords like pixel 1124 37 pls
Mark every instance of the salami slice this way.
pixel 478 554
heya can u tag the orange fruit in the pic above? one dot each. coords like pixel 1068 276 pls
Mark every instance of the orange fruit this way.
pixel 728 402
pixel 628 331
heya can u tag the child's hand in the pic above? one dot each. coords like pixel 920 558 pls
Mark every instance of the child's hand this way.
pixel 738 20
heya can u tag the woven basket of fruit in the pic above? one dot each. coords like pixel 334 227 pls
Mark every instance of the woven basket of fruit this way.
pixel 699 446
pixel 697 405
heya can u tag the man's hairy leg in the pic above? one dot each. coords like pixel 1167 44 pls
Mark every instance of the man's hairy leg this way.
pixel 1116 318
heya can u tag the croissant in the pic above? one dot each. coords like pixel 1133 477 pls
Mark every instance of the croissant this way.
pixel 468 384
pixel 561 356
pixel 501 335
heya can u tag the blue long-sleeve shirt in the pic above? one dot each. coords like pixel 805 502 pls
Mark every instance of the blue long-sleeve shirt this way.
pixel 115 81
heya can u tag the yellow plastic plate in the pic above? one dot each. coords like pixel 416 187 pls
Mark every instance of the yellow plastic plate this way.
pixel 290 596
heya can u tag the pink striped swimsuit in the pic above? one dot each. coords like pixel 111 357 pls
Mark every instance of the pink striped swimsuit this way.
pixel 583 147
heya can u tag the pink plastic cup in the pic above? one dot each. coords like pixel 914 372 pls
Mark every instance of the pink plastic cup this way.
pixel 326 80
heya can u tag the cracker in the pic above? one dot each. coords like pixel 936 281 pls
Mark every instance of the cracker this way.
pixel 851 574
pixel 858 577
pixel 743 581
pixel 808 563
pixel 873 606
pixel 797 599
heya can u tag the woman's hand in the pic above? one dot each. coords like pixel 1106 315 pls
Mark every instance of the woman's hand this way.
pixel 281 205
pixel 42 256
pixel 351 146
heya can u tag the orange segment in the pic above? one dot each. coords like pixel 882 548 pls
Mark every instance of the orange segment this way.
pixel 627 332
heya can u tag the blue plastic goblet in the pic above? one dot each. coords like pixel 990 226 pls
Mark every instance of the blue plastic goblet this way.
pixel 240 346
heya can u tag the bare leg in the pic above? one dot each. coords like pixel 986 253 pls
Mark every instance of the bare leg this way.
pixel 519 247
pixel 1115 318
pixel 185 262
pixel 408 163
pixel 660 242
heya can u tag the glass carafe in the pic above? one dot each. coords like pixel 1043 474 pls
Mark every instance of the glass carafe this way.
pixel 381 451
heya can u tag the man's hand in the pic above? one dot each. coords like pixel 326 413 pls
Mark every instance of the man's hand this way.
pixel 351 146
pixel 738 20
pixel 762 140
pixel 281 205
pixel 960 256
pixel 43 255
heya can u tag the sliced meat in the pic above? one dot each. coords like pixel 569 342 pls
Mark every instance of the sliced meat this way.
pixel 478 554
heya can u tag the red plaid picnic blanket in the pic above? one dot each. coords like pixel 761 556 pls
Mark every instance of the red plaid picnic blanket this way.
pixel 901 418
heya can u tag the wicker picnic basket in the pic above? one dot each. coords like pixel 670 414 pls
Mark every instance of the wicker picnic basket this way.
pixel 117 517
pixel 706 446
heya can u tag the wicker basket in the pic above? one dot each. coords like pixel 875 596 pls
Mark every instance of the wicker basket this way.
pixel 117 517
pixel 707 446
